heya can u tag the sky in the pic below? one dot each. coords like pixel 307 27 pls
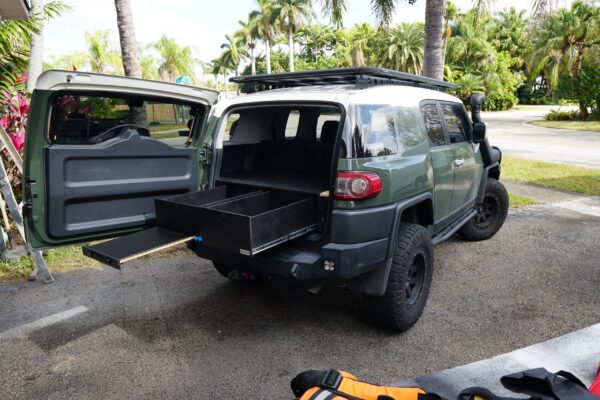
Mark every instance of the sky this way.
pixel 199 23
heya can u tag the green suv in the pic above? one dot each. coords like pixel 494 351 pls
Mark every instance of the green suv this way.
pixel 346 176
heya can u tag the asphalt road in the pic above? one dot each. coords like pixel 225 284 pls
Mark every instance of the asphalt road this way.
pixel 510 131
pixel 174 328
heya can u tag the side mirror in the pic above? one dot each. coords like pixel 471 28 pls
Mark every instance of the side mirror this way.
pixel 478 132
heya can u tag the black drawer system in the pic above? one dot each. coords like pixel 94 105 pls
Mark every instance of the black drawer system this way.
pixel 229 218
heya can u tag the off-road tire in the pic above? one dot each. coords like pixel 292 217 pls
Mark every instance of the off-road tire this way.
pixel 491 214
pixel 409 282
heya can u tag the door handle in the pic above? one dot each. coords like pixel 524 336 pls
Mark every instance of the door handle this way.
pixel 459 162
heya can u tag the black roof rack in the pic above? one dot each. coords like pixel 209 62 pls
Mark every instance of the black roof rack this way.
pixel 362 77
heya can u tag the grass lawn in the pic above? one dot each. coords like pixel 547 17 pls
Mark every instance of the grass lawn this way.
pixel 65 258
pixel 517 201
pixel 160 128
pixel 551 175
pixel 593 126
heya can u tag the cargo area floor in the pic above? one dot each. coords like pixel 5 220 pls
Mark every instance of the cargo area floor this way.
pixel 287 181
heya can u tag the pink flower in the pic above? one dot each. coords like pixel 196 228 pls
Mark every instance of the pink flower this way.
pixel 18 140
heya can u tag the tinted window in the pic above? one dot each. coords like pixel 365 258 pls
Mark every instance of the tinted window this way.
pixel 433 123
pixel 77 119
pixel 455 118
pixel 376 131
pixel 409 126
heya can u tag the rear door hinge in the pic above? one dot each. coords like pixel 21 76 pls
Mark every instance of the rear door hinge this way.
pixel 205 154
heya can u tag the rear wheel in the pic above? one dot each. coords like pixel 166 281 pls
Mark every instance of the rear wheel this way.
pixel 491 213
pixel 409 282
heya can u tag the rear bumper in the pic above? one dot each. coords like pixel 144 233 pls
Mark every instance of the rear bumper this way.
pixel 303 264
pixel 360 244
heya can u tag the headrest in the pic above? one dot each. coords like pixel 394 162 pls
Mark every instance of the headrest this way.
pixel 329 131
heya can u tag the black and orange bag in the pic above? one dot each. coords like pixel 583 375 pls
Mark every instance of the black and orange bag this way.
pixel 340 385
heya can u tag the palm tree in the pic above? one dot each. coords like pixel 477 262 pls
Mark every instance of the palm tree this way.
pixel 405 48
pixel 264 19
pixel 359 37
pixel 175 60
pixel 248 33
pixel 510 34
pixel 561 42
pixel 149 67
pixel 217 69
pixel 101 57
pixel 291 15
pixel 433 63
pixel 129 50
pixel 449 16
pixel 36 53
pixel 16 39
pixel 384 12
pixel 233 53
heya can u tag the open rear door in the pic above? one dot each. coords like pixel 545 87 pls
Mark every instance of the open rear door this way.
pixel 100 149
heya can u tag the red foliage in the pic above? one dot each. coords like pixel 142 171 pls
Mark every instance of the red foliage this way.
pixel 14 108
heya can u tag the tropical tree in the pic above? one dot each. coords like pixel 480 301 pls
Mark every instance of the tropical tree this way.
pixel 360 39
pixel 175 61
pixel 36 53
pixel 233 53
pixel 101 57
pixel 217 69
pixel 510 33
pixel 384 12
pixel 449 16
pixel 404 48
pixel 129 50
pixel 561 42
pixel 433 63
pixel 248 33
pixel 149 66
pixel 292 14
pixel 266 30
pixel 16 38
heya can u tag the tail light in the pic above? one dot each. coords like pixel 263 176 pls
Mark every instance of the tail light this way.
pixel 357 185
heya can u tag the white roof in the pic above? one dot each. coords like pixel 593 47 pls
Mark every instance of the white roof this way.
pixel 343 94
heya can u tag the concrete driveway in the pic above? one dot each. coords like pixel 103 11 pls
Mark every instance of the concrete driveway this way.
pixel 510 131
pixel 174 328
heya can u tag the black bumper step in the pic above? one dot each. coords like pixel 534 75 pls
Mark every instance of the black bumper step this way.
pixel 127 248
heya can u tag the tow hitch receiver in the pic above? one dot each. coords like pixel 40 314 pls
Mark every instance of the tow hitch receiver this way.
pixel 126 248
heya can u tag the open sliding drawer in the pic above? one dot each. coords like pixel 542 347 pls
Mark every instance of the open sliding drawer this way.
pixel 226 217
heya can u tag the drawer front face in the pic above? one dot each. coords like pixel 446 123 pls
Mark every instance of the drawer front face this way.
pixel 245 224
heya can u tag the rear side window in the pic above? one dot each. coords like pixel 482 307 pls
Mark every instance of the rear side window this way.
pixel 433 123
pixel 291 127
pixel 89 119
pixel 455 118
pixel 376 134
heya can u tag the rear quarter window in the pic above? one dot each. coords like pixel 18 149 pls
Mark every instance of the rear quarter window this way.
pixel 383 130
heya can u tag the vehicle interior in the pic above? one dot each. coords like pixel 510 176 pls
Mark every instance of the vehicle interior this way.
pixel 280 147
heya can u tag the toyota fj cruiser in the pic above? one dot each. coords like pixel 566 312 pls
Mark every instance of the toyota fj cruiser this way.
pixel 347 176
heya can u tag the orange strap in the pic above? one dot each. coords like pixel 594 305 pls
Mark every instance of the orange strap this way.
pixel 348 387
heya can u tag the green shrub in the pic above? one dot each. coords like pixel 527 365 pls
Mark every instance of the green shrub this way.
pixel 557 115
